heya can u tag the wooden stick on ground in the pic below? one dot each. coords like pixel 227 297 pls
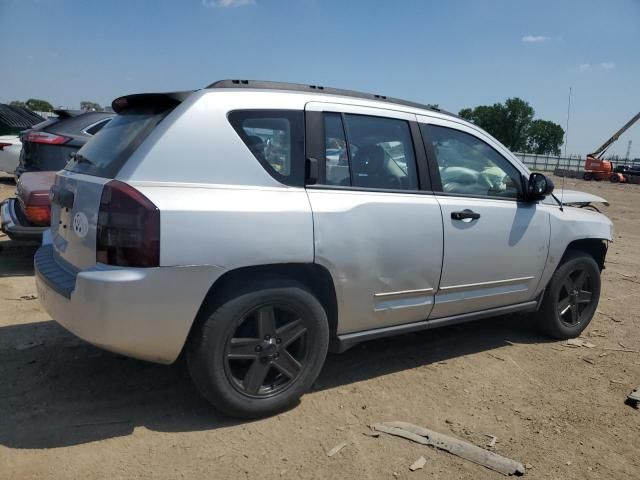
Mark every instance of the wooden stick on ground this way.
pixel 457 447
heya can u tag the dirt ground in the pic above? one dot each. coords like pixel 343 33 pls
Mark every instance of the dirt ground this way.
pixel 69 410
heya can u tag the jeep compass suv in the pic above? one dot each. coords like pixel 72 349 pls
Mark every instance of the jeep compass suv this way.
pixel 256 225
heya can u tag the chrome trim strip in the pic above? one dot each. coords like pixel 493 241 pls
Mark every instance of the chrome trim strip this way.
pixel 403 292
pixel 485 284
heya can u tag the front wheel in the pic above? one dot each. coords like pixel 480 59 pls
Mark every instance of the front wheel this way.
pixel 258 352
pixel 571 298
pixel 614 178
pixel 587 176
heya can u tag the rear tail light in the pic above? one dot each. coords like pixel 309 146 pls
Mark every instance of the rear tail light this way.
pixel 40 216
pixel 2 145
pixel 38 209
pixel 44 137
pixel 128 230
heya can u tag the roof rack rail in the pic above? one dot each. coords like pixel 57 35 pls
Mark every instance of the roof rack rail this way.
pixel 299 87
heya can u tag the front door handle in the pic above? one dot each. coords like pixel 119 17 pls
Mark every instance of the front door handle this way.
pixel 466 213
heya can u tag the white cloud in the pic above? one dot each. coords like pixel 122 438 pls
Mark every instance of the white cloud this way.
pixel 227 3
pixel 608 65
pixel 535 39
pixel 585 67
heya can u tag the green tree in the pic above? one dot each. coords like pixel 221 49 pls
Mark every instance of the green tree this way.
pixel 17 103
pixel 519 115
pixel 544 137
pixel 38 105
pixel 88 106
pixel 507 122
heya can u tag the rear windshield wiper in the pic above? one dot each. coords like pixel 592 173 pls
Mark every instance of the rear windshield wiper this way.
pixel 80 158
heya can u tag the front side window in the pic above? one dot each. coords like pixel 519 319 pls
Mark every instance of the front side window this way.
pixel 469 166
pixel 276 139
pixel 369 152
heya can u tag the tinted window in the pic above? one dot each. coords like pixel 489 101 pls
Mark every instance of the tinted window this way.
pixel 104 154
pixel 469 166
pixel 379 153
pixel 276 139
pixel 336 156
pixel 97 127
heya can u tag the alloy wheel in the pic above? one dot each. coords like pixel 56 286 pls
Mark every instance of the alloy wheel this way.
pixel 576 295
pixel 267 351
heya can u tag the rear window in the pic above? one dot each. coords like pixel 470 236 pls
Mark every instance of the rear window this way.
pixel 105 154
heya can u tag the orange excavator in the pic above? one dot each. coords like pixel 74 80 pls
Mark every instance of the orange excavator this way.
pixel 596 168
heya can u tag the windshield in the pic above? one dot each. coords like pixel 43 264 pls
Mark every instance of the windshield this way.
pixel 111 147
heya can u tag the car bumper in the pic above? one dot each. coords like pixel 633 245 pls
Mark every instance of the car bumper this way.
pixel 13 226
pixel 144 313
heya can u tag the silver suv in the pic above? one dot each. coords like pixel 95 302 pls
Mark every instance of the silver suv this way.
pixel 256 225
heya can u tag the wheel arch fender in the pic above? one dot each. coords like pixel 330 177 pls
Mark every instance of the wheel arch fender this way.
pixel 312 276
pixel 595 247
pixel 575 229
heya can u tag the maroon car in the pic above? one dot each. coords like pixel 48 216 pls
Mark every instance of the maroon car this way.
pixel 27 215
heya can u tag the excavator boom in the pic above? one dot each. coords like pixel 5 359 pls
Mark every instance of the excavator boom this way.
pixel 614 137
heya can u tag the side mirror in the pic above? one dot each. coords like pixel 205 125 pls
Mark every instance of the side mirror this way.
pixel 538 187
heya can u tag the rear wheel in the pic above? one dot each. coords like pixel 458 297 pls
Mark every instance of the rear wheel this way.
pixel 587 176
pixel 614 178
pixel 260 351
pixel 571 298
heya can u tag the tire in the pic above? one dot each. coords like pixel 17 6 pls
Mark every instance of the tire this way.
pixel 242 347
pixel 587 176
pixel 614 178
pixel 560 295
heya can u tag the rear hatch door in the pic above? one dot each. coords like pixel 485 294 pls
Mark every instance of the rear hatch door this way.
pixel 77 192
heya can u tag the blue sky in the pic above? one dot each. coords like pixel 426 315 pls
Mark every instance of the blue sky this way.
pixel 454 53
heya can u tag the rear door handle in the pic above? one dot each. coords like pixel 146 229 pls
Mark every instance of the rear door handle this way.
pixel 466 213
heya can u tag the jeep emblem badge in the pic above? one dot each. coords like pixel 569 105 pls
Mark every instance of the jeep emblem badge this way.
pixel 80 224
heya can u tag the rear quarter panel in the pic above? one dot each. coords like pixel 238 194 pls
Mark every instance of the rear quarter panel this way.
pixel 218 205
pixel 231 227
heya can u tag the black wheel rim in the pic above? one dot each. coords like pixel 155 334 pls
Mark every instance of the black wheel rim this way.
pixel 575 299
pixel 268 350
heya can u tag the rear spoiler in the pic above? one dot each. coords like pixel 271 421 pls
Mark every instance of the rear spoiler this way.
pixel 64 113
pixel 157 102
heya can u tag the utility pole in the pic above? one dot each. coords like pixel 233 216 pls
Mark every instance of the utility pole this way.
pixel 629 150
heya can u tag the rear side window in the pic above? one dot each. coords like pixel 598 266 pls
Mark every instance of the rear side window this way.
pixel 106 153
pixel 336 156
pixel 96 127
pixel 369 152
pixel 276 140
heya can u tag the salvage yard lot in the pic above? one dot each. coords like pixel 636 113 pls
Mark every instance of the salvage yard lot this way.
pixel 69 410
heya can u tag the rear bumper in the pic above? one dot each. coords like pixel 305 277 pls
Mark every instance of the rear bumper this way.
pixel 144 313
pixel 15 227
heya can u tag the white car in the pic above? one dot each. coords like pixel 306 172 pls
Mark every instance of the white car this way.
pixel 10 146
